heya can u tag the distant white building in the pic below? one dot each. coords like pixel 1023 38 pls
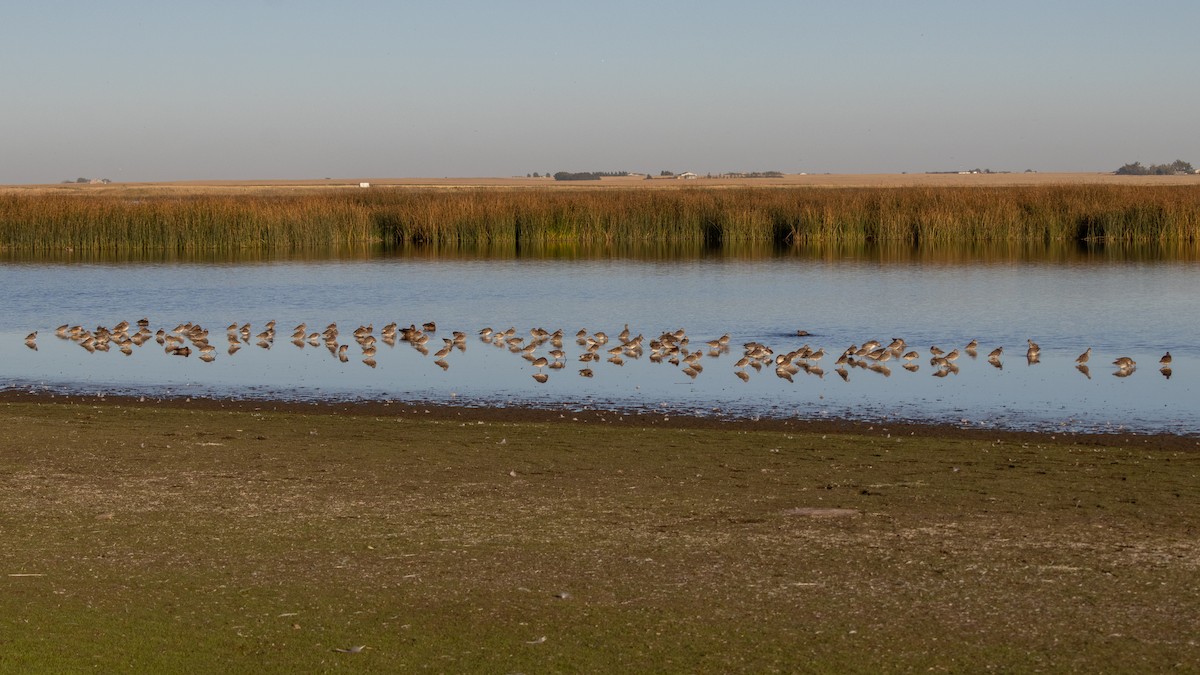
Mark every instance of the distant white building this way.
pixel 364 185
pixel 687 175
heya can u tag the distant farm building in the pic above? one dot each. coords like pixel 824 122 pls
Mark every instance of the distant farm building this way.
pixel 687 175
pixel 364 185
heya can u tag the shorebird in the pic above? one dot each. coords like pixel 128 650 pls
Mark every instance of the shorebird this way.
pixel 585 372
pixel 1083 358
pixel 541 377
pixel 1125 363
pixel 972 345
pixel 31 340
pixel 995 354
pixel 1166 359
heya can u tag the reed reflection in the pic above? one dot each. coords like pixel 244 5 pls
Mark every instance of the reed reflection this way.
pixel 885 253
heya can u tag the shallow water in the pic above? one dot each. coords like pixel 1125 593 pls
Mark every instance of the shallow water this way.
pixel 1121 305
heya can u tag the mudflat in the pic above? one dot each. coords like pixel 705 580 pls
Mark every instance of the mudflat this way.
pixel 172 536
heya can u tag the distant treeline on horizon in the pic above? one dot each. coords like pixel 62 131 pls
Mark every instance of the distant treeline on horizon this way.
pixel 132 220
pixel 1176 168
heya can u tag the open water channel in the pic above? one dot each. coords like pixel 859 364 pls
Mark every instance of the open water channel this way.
pixel 1121 303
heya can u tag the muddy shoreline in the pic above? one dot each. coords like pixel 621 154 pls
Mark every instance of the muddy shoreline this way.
pixel 518 414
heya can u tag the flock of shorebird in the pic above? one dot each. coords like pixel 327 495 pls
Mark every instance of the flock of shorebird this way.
pixel 673 347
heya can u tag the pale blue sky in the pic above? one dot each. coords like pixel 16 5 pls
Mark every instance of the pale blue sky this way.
pixel 242 90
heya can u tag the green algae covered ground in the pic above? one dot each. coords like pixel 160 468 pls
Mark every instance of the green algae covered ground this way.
pixel 143 537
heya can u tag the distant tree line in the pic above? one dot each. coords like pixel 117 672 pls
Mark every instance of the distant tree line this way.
pixel 587 175
pixel 753 174
pixel 1136 169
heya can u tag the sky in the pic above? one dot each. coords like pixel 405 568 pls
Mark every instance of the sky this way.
pixel 255 89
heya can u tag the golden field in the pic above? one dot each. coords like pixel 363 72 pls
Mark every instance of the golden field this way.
pixel 790 180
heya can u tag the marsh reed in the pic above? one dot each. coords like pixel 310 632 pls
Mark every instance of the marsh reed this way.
pixel 115 221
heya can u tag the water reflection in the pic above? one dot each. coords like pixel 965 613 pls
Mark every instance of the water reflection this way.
pixel 1133 301
pixel 1050 253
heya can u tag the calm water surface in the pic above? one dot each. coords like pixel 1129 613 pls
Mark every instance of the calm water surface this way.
pixel 1137 306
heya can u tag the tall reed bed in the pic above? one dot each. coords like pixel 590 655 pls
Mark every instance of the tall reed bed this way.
pixel 539 218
